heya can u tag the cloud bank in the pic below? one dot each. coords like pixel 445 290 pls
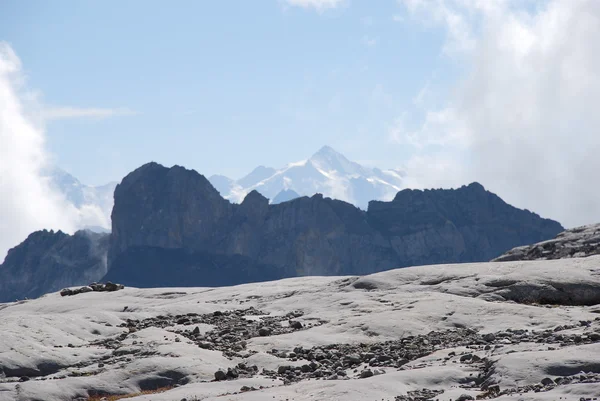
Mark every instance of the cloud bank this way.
pixel 28 200
pixel 524 120
pixel 57 113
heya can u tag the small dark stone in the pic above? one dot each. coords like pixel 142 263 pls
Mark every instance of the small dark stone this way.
pixel 264 331
pixel 547 381
pixel 294 324
pixel 366 373
pixel 220 375
pixel 282 369
pixel 594 336
pixel 353 358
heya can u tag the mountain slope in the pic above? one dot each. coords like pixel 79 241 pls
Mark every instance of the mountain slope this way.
pixel 175 208
pixel 48 261
pixel 327 172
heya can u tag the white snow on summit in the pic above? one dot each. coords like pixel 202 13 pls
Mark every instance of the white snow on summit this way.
pixel 327 172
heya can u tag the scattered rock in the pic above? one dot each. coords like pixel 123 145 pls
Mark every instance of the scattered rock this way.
pixel 93 287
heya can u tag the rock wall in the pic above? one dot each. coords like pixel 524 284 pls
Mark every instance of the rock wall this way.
pixel 48 261
pixel 174 208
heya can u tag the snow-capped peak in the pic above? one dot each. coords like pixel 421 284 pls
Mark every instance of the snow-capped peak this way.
pixel 326 171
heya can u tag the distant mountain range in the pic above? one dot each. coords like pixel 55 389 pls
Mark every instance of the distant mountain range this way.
pixel 172 228
pixel 93 203
pixel 326 172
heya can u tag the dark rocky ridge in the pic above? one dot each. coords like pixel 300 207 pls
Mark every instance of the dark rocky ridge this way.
pixel 48 261
pixel 161 213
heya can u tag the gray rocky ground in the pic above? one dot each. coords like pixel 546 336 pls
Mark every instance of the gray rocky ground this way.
pixel 524 329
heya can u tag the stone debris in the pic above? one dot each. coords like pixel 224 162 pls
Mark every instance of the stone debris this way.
pixel 577 242
pixel 108 287
pixel 358 361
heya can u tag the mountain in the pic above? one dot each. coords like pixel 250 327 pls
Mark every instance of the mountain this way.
pixel 159 209
pixel 327 172
pixel 171 227
pixel 93 203
pixel 576 242
pixel 284 196
pixel 48 261
pixel 526 330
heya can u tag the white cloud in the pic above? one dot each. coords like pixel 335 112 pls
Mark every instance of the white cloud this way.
pixel 319 5
pixel 525 113
pixel 27 202
pixel 439 128
pixel 56 113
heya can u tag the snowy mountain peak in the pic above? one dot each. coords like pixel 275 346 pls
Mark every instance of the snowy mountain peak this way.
pixel 329 160
pixel 327 151
pixel 327 171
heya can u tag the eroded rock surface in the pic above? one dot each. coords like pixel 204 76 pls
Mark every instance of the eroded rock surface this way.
pixel 577 242
pixel 446 331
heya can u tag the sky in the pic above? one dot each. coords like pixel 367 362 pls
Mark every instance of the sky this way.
pixel 503 92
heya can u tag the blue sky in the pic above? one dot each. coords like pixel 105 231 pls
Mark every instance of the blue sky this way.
pixel 503 92
pixel 222 87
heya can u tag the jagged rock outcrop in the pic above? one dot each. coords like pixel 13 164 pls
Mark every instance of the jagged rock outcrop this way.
pixel 573 243
pixel 166 208
pixel 49 261
pixel 159 209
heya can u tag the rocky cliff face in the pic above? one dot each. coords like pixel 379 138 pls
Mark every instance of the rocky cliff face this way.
pixel 573 243
pixel 157 208
pixel 48 261
pixel 468 224
pixel 167 208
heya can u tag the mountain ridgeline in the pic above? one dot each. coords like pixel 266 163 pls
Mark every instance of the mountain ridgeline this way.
pixel 48 261
pixel 170 226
